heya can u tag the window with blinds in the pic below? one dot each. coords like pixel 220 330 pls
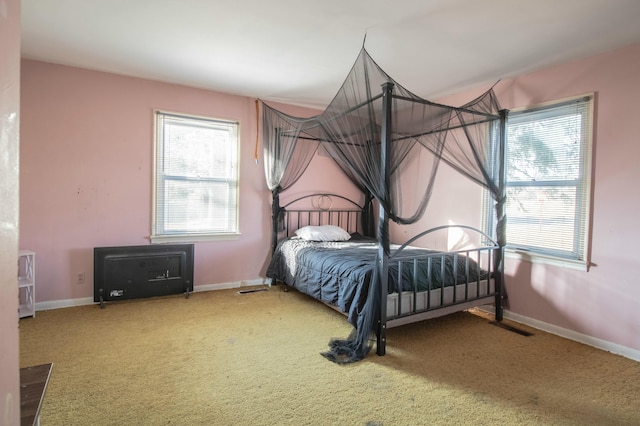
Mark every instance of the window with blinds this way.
pixel 548 179
pixel 196 177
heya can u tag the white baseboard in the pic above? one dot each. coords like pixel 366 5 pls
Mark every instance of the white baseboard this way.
pixel 604 345
pixel 82 301
pixel 233 284
pixel 65 303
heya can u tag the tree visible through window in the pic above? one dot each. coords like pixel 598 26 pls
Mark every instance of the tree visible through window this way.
pixel 196 177
pixel 548 162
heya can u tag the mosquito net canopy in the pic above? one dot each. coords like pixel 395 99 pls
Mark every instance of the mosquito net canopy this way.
pixel 374 129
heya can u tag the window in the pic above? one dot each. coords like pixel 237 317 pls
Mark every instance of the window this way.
pixel 196 178
pixel 548 168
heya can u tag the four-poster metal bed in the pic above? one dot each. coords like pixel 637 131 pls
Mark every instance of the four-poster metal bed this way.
pixel 395 285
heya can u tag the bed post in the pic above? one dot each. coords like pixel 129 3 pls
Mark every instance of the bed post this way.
pixel 501 215
pixel 367 220
pixel 275 218
pixel 275 194
pixel 383 218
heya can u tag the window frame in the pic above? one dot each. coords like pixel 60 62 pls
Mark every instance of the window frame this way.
pixel 158 233
pixel 583 209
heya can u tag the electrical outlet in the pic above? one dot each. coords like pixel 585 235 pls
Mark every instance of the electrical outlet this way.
pixel 80 277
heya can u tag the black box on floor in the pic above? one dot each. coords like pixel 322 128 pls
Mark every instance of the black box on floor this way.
pixel 130 272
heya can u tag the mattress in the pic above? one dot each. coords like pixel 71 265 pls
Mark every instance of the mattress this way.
pixel 339 274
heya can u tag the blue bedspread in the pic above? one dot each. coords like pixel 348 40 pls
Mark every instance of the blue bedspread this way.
pixel 339 273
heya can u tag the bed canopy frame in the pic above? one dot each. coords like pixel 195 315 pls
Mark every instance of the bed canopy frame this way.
pixel 374 129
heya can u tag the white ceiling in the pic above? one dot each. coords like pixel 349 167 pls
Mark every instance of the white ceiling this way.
pixel 300 51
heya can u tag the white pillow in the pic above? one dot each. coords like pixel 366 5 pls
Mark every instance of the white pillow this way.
pixel 323 233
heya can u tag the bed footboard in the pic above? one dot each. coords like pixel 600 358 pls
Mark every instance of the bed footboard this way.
pixel 421 283
pixel 438 283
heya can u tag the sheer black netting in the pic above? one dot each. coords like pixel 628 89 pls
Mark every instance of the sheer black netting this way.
pixel 383 136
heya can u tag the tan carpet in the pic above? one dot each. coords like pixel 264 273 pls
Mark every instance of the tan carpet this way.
pixel 221 358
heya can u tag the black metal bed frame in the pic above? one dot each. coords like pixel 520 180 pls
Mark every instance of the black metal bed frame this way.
pixel 382 267
pixel 409 306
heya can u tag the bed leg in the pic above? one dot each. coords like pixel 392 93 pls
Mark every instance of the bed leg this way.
pixel 381 341
pixel 186 290
pixel 499 308
pixel 284 285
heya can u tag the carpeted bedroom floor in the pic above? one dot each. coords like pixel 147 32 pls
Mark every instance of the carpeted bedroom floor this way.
pixel 224 358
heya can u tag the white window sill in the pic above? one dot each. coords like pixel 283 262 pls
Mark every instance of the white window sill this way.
pixel 193 238
pixel 526 256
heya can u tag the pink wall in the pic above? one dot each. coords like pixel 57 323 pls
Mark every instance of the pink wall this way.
pixel 605 301
pixel 86 174
pixel 86 167
pixel 9 147
pixel 86 157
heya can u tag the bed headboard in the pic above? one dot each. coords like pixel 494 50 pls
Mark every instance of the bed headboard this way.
pixel 320 209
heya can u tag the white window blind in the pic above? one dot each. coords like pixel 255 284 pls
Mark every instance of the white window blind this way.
pixel 548 163
pixel 196 176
